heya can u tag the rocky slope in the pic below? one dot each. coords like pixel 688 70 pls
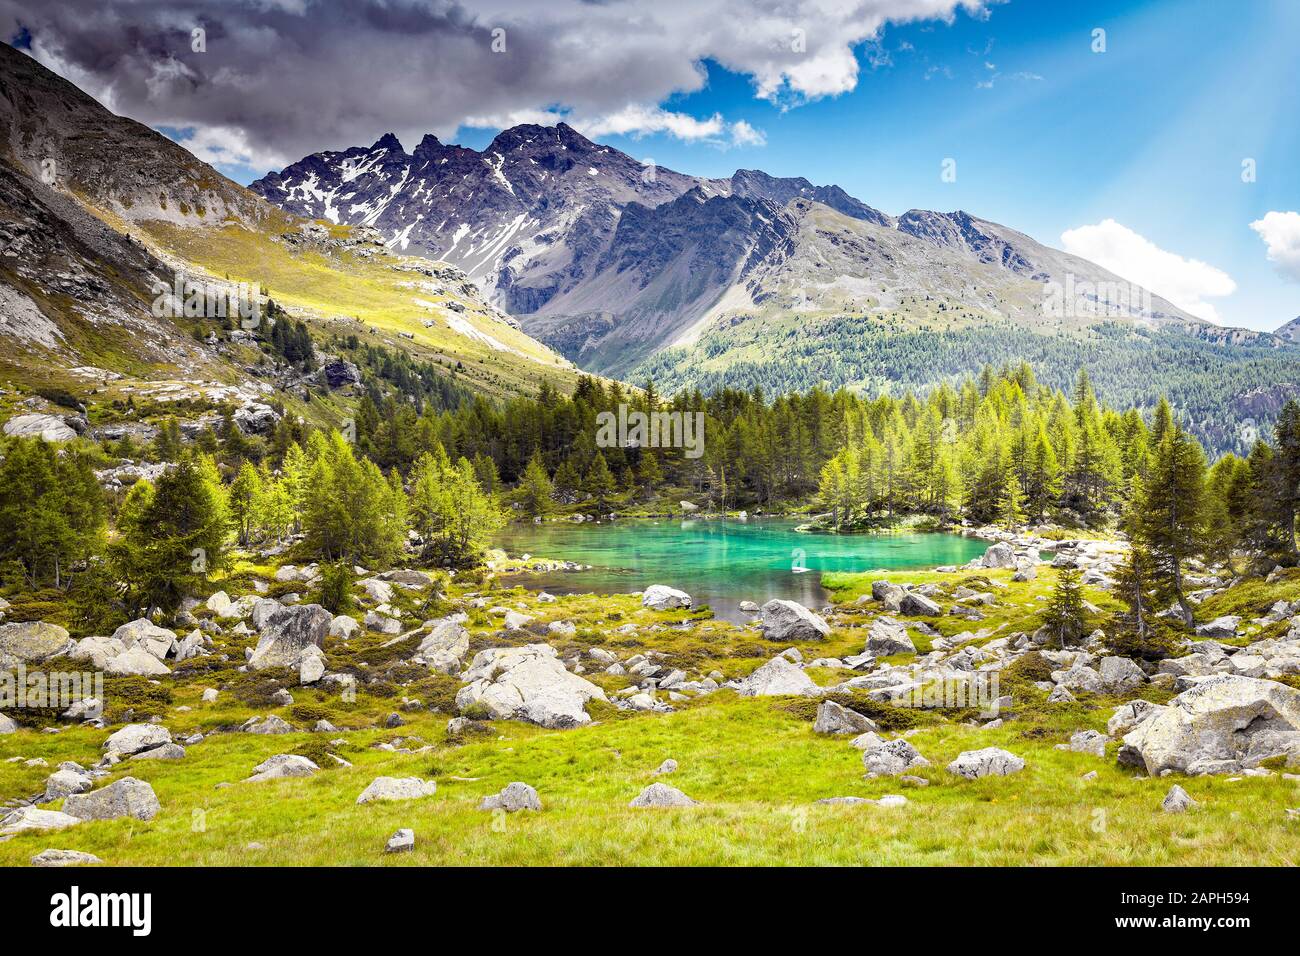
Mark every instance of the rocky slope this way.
pixel 101 217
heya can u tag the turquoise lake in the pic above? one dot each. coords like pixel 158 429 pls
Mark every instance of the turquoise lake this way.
pixel 720 563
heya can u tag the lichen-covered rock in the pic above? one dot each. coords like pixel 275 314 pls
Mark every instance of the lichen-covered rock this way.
pixel 888 637
pixel 660 597
pixel 892 758
pixel 444 648
pixel 143 633
pixel 285 633
pixel 833 718
pixel 986 762
pixel 527 683
pixel 65 858
pixel 791 621
pixel 25 819
pixel 127 797
pixel 397 788
pixel 1120 675
pixel 1177 800
pixel 661 795
pixel 31 642
pixel 918 605
pixel 512 798
pixel 1224 724
pixel 283 766
pixel 777 677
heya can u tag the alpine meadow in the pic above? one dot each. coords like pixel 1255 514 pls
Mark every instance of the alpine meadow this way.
pixel 518 500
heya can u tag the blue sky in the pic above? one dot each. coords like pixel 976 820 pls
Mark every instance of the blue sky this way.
pixel 1132 157
pixel 1049 136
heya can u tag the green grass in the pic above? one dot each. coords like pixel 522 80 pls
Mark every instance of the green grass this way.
pixel 755 768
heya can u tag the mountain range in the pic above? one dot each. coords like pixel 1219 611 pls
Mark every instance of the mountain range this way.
pixel 759 281
pixel 498 270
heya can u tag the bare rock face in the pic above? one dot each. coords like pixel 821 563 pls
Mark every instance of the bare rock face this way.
pixel 791 621
pixel 287 632
pixel 49 428
pixel 127 797
pixel 527 683
pixel 1224 724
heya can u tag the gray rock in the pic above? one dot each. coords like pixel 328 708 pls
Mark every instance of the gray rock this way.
pixel 136 662
pixel 833 718
pixel 668 766
pixel 63 783
pixel 660 597
pixel 888 637
pixel 49 428
pixel 397 788
pixel 1223 724
pixel 918 605
pixel 134 738
pixel 1089 742
pixel 1225 626
pixel 527 683
pixel 65 858
pixel 7 726
pixel 445 647
pixel 661 795
pixel 986 762
pixel 283 766
pixel 791 621
pixel 25 819
pixel 513 798
pixel 127 797
pixel 999 555
pixel 165 752
pixel 267 725
pixel 1129 715
pixel 403 841
pixel 1177 800
pixel 1120 675
pixel 892 758
pixel 777 677
pixel 286 633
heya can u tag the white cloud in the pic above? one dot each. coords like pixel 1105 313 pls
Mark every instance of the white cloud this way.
pixel 295 76
pixel 1281 233
pixel 228 146
pixel 1187 283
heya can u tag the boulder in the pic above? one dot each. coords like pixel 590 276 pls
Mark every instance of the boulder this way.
pixel 49 428
pixel 526 683
pixel 7 725
pixel 512 798
pixel 397 788
pixel 32 818
pixel 833 718
pixel 892 758
pixel 778 676
pixel 791 621
pixel 127 797
pixel 63 783
pixel 287 632
pixel 661 795
pixel 283 766
pixel 660 597
pixel 148 636
pixel 986 762
pixel 379 592
pixel 343 627
pixel 1177 800
pixel 888 637
pixel 136 662
pixel 444 648
pixel 65 858
pixel 1223 724
pixel 31 642
pixel 918 605
pixel 1089 742
pixel 1120 675
pixel 1079 678
pixel 1225 626
pixel 382 623
pixel 311 666
pixel 134 738
pixel 403 841
pixel 98 650
pixel 514 621
pixel 999 555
